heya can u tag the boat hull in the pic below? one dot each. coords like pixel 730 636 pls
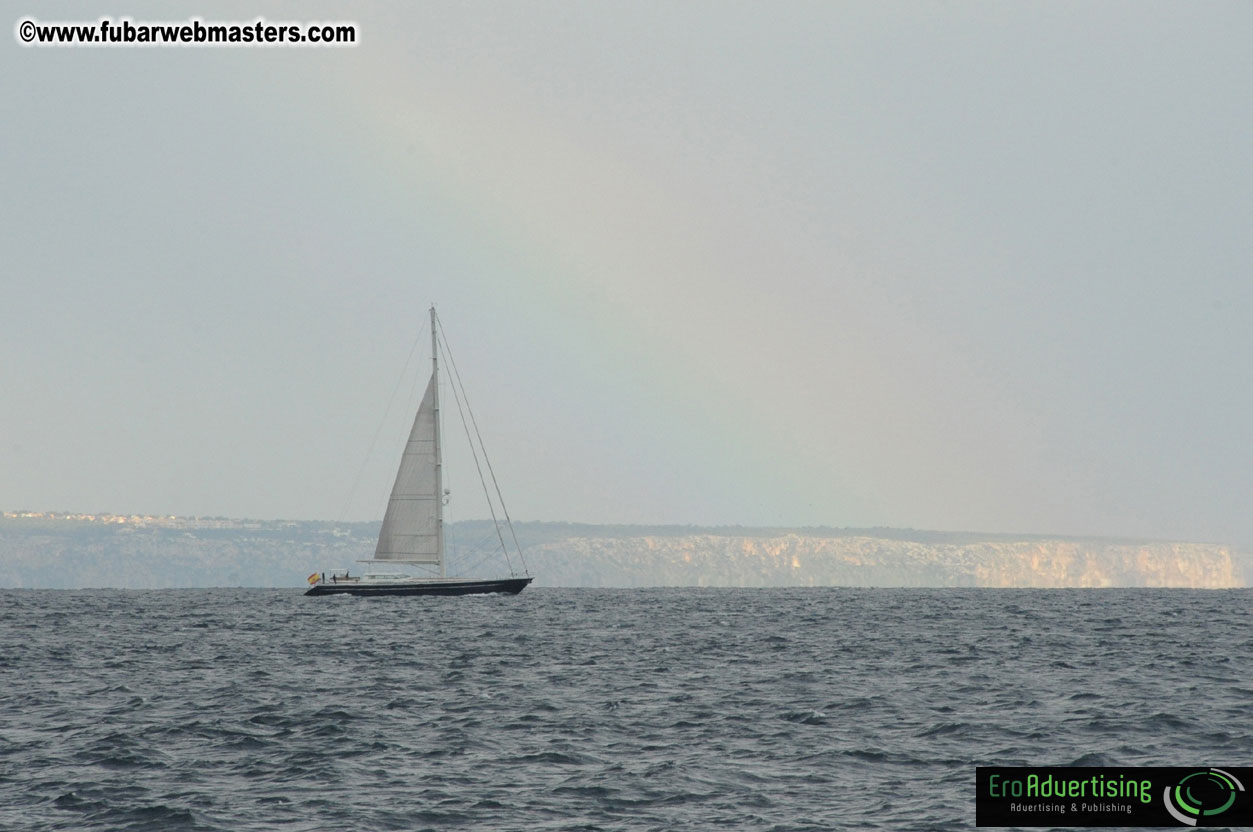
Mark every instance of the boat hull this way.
pixel 510 586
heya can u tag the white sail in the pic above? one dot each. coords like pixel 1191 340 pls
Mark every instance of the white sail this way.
pixel 411 527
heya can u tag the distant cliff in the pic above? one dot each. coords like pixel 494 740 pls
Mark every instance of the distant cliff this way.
pixel 798 560
pixel 74 551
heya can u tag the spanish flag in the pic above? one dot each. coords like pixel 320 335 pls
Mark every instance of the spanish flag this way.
pixel 313 579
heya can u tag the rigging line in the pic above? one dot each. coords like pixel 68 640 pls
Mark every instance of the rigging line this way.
pixel 478 544
pixel 490 507
pixel 499 496
pixel 352 492
pixel 455 382
pixel 470 569
pixel 479 549
pixel 422 567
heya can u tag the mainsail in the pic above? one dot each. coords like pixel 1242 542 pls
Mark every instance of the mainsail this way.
pixel 412 530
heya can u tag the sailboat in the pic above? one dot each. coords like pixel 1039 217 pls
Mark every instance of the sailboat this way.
pixel 413 526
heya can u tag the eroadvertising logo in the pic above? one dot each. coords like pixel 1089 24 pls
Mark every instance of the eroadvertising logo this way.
pixel 1113 796
pixel 1203 795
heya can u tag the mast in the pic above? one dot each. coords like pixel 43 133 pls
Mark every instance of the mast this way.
pixel 439 459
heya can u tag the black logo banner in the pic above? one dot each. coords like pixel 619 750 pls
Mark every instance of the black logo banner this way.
pixel 1113 796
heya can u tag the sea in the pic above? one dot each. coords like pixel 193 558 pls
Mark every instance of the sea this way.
pixel 596 709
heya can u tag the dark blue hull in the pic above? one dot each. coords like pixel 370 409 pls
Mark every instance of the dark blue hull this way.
pixel 511 586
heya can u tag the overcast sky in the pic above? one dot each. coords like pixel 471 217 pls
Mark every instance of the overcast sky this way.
pixel 976 266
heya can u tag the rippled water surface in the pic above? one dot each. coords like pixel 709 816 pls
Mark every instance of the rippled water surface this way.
pixel 596 709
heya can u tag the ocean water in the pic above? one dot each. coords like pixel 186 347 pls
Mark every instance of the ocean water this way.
pixel 562 709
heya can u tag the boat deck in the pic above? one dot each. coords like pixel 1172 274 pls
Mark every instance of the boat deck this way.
pixel 437 586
